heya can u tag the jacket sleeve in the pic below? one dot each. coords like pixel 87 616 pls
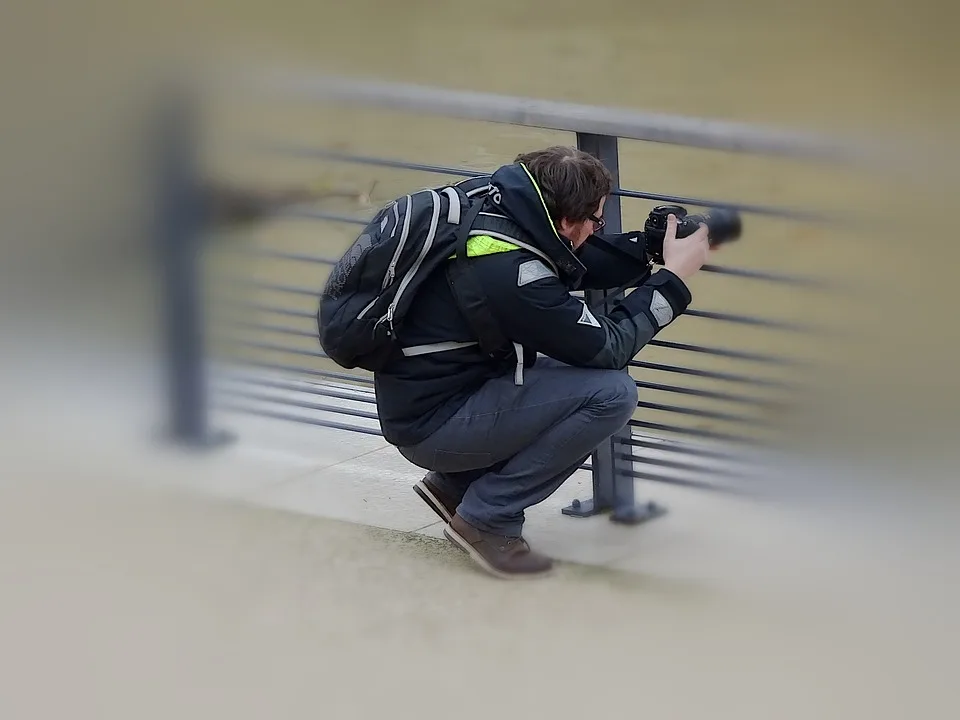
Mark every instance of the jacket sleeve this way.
pixel 542 314
pixel 613 260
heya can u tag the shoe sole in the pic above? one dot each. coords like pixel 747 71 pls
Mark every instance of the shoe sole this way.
pixel 458 540
pixel 432 500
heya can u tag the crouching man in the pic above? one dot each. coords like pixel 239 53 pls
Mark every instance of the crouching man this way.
pixel 501 432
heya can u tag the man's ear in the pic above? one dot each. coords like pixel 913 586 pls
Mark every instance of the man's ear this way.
pixel 564 226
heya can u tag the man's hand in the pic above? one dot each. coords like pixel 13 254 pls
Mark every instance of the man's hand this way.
pixel 684 256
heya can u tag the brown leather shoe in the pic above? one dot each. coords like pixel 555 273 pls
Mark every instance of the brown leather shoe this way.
pixel 503 557
pixel 442 504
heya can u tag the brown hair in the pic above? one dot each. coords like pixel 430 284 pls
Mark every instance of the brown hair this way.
pixel 573 182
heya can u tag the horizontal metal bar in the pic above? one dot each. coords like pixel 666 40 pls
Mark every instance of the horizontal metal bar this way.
pixel 308 214
pixel 692 450
pixel 712 375
pixel 767 276
pixel 677 465
pixel 716 269
pixel 236 407
pixel 320 260
pixel 304 213
pixel 275 287
pixel 570 117
pixel 284 367
pixel 768 211
pixel 302 387
pixel 683 482
pixel 276 310
pixel 705 314
pixel 693 392
pixel 721 352
pixel 338 156
pixel 278 348
pixel 709 374
pixel 635 363
pixel 331 392
pixel 708 394
pixel 718 352
pixel 278 329
pixel 697 412
pixel 264 397
pixel 283 255
pixel 694 432
pixel 312 334
pixel 748 320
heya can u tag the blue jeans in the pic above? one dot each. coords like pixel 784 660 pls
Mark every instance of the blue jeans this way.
pixel 512 446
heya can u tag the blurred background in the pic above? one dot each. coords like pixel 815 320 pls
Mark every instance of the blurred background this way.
pixel 79 300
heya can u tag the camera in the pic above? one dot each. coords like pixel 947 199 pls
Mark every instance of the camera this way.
pixel 725 226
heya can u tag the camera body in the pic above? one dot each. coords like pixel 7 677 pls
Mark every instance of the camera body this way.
pixel 724 225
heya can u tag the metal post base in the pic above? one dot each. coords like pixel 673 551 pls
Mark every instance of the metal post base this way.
pixel 208 441
pixel 625 515
pixel 586 508
pixel 636 514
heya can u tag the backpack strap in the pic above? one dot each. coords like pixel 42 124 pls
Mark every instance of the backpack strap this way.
pixel 472 187
pixel 466 225
pixel 500 227
pixel 467 292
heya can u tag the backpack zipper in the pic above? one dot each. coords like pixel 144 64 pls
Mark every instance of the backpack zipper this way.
pixel 427 244
pixel 392 268
pixel 396 219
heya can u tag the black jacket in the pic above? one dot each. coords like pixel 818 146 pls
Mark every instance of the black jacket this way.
pixel 528 291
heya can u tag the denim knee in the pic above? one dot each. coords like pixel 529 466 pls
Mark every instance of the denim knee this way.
pixel 618 393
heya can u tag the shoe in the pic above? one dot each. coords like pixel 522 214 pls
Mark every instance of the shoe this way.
pixel 443 505
pixel 501 556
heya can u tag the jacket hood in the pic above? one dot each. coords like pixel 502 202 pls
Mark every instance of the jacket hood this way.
pixel 517 195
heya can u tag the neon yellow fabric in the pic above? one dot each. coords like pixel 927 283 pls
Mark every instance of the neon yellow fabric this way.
pixel 486 245
pixel 480 245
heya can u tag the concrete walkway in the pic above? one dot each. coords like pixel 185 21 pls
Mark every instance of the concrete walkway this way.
pixel 294 573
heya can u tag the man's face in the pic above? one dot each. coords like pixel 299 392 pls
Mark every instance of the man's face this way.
pixel 578 232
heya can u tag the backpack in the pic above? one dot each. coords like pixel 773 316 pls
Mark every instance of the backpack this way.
pixel 371 287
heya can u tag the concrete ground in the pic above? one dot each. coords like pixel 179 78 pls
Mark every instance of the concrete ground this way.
pixel 293 573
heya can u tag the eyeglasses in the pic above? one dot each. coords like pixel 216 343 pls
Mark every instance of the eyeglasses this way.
pixel 599 222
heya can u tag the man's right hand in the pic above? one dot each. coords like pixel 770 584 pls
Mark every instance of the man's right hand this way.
pixel 685 256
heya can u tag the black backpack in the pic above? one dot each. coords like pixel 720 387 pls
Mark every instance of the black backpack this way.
pixel 370 289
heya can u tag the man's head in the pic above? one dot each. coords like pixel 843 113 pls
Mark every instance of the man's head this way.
pixel 575 186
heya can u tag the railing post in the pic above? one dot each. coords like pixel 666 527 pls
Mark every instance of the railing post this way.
pixel 180 234
pixel 613 487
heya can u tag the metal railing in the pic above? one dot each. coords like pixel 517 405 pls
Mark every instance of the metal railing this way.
pixel 305 387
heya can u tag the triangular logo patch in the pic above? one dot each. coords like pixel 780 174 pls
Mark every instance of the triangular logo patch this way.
pixel 660 309
pixel 531 271
pixel 587 318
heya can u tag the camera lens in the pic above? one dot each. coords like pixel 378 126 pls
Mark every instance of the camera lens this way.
pixel 725 225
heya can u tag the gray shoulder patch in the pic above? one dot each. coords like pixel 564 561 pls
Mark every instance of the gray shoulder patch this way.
pixel 531 271
pixel 660 309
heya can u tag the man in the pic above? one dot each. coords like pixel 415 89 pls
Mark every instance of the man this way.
pixel 501 433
